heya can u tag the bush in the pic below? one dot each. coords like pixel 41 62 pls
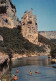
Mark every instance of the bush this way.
pixel 14 42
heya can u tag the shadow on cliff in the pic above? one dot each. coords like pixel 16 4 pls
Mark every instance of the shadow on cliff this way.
pixel 14 42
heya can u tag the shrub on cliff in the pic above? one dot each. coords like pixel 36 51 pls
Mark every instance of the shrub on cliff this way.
pixel 16 43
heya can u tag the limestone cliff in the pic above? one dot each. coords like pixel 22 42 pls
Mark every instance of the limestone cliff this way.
pixel 8 16
pixel 48 34
pixel 29 27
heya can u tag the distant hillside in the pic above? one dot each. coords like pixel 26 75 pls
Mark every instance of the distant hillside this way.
pixel 50 42
pixel 48 34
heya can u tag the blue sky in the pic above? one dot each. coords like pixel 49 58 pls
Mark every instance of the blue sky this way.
pixel 44 9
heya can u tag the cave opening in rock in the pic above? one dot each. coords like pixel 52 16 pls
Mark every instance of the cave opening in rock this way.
pixel 29 22
pixel 2 10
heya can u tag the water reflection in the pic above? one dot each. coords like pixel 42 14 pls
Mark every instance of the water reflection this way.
pixel 24 65
pixel 41 61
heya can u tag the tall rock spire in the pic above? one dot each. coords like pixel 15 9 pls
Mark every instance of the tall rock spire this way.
pixel 31 11
pixel 29 27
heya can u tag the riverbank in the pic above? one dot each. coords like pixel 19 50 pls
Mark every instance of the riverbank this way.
pixel 3 58
pixel 53 60
pixel 17 56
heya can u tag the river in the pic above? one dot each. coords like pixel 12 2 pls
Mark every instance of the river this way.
pixel 41 64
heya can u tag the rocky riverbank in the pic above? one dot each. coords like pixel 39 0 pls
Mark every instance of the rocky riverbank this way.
pixel 3 58
pixel 53 60
pixel 16 56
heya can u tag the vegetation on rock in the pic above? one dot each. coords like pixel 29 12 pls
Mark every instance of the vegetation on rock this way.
pixel 51 44
pixel 14 42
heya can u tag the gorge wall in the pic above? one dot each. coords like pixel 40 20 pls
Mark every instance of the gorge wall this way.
pixel 22 39
pixel 28 23
pixel 8 16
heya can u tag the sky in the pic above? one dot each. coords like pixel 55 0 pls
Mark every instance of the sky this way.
pixel 44 9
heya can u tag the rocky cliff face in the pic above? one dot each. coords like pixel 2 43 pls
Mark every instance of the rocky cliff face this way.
pixel 29 27
pixel 48 34
pixel 8 16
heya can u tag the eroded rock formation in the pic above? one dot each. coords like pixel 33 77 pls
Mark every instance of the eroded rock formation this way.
pixel 8 16
pixel 29 27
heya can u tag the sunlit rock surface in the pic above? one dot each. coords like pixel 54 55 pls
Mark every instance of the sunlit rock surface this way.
pixel 29 26
pixel 8 16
